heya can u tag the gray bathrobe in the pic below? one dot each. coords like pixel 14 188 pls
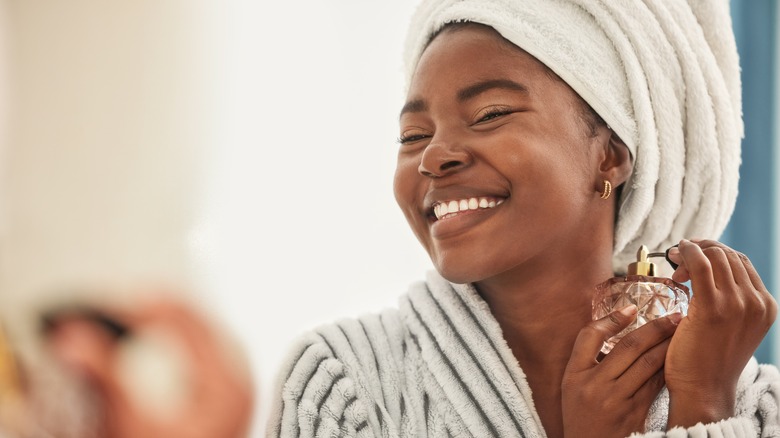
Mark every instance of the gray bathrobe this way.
pixel 438 367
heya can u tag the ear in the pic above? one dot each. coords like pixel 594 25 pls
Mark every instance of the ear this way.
pixel 616 164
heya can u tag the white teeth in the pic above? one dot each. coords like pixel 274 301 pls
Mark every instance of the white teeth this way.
pixel 452 208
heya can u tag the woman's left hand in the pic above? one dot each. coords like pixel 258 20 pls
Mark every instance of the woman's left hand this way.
pixel 729 315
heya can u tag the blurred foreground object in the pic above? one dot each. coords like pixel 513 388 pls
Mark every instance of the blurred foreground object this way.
pixel 158 369
pixel 200 387
pixel 39 399
pixel 11 397
pixel 108 114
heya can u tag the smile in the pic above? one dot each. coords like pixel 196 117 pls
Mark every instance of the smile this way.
pixel 450 209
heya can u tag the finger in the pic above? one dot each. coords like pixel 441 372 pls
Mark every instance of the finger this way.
pixel 648 392
pixel 745 263
pixel 699 268
pixel 638 343
pixel 674 254
pixel 736 261
pixel 745 275
pixel 681 275
pixel 765 298
pixel 591 338
pixel 645 366
pixel 738 270
pixel 721 269
pixel 753 274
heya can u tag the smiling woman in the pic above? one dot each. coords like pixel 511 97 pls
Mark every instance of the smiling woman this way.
pixel 516 139
pixel 520 118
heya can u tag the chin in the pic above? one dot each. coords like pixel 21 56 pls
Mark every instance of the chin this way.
pixel 459 274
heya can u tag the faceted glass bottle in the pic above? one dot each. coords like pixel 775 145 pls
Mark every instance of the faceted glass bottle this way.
pixel 654 297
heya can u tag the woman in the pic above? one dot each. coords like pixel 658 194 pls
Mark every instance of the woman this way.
pixel 520 117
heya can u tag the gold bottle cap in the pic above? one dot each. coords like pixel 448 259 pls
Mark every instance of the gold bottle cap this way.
pixel 642 266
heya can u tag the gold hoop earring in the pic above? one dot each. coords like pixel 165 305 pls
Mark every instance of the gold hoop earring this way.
pixel 607 190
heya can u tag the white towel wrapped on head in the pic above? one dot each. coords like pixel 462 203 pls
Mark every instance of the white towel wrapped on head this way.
pixel 663 74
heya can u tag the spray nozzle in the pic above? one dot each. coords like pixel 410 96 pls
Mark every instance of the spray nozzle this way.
pixel 643 266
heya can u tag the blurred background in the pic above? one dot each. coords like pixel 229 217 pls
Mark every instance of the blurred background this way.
pixel 242 152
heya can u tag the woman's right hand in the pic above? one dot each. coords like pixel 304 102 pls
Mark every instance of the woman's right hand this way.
pixel 611 398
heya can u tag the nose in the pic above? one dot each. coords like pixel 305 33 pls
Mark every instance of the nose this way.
pixel 442 158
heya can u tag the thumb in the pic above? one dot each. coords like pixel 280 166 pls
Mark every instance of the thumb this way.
pixel 591 338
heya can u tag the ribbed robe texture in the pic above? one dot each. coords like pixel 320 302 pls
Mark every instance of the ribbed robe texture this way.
pixel 438 366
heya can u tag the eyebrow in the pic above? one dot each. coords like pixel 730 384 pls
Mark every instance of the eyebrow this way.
pixel 475 90
pixel 470 92
pixel 414 106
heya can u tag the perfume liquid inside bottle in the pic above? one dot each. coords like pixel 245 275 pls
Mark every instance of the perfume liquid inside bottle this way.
pixel 654 297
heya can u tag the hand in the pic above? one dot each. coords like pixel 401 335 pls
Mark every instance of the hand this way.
pixel 613 397
pixel 730 313
pixel 218 403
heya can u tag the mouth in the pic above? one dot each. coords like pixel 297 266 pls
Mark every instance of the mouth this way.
pixel 443 210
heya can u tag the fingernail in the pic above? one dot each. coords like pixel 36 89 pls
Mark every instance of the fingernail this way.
pixel 675 318
pixel 684 242
pixel 629 310
pixel 674 252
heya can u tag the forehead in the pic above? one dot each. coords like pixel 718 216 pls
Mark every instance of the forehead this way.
pixel 471 52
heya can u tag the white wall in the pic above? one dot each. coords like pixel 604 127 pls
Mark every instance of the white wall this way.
pixel 290 223
pixel 301 215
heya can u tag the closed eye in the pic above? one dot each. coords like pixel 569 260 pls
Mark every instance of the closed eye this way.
pixel 406 139
pixel 493 114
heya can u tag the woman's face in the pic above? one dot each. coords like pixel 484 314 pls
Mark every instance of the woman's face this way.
pixel 497 167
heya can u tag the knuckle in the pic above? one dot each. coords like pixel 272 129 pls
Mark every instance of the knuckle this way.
pixel 597 331
pixel 757 303
pixel 648 362
pixel 771 309
pixel 569 381
pixel 713 251
pixel 709 243
pixel 755 308
pixel 629 342
pixel 614 320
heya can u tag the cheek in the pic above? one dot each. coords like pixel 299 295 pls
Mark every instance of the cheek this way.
pixel 406 188
pixel 401 183
pixel 409 190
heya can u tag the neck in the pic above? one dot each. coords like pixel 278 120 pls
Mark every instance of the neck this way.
pixel 542 306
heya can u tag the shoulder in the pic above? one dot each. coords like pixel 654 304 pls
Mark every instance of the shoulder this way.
pixel 341 377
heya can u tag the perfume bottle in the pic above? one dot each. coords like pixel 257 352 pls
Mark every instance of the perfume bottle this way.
pixel 653 296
